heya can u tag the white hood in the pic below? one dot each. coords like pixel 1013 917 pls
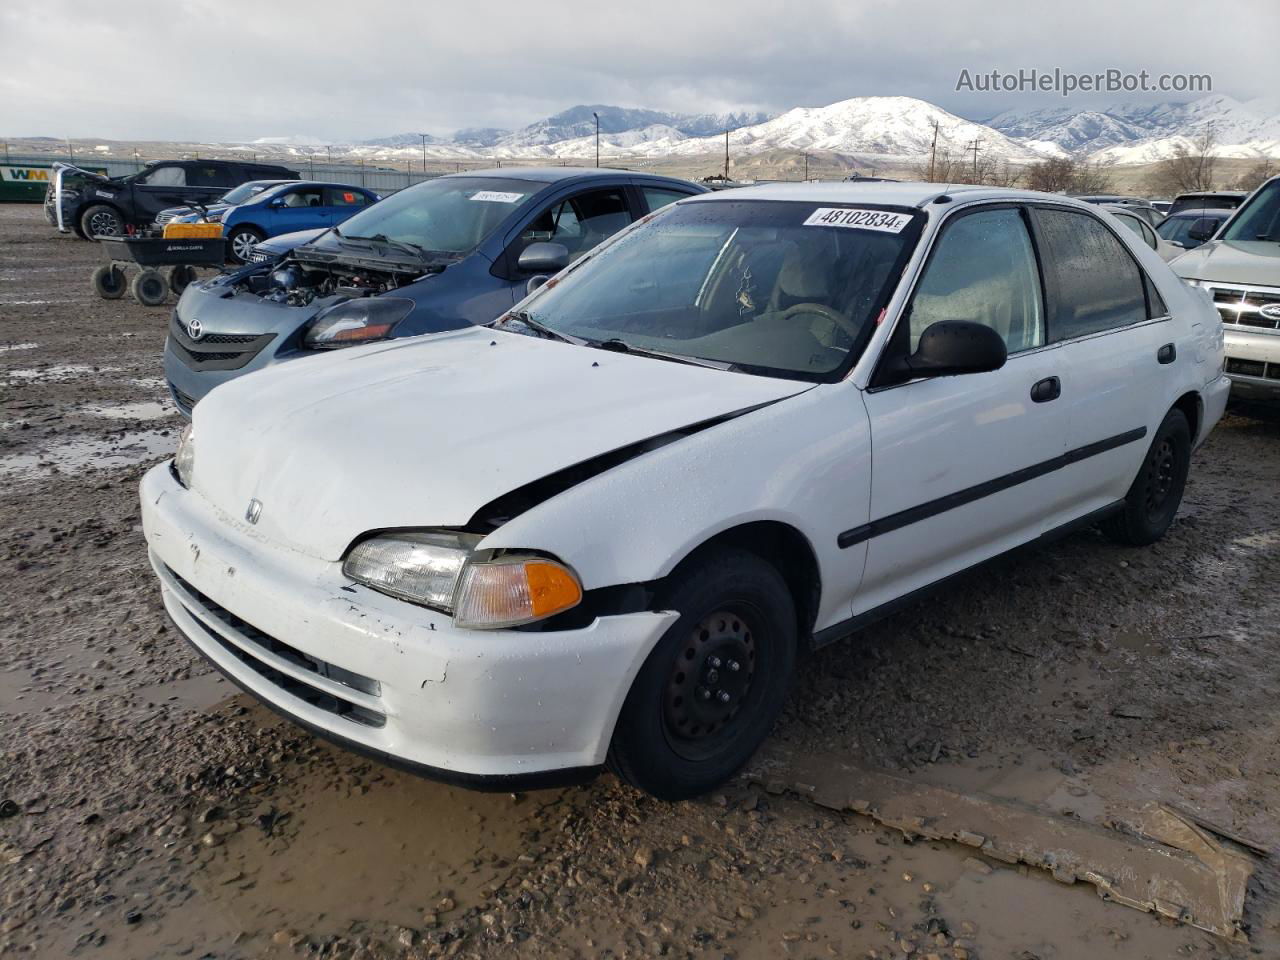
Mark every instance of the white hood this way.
pixel 425 431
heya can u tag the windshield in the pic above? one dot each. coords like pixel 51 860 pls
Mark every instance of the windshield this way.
pixel 1259 218
pixel 246 190
pixel 780 288
pixel 449 214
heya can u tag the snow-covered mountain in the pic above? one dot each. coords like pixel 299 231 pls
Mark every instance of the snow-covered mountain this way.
pixel 1141 133
pixel 892 128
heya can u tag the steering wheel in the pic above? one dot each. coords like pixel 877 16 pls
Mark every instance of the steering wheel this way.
pixel 839 319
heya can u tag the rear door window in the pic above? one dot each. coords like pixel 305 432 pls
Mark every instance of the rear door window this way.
pixel 344 197
pixel 212 175
pixel 1096 282
pixel 656 198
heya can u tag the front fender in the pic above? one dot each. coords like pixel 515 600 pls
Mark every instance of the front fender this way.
pixel 804 461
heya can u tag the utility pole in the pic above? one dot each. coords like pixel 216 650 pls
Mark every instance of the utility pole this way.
pixel 974 146
pixel 726 154
pixel 806 166
pixel 933 151
pixel 424 152
pixel 329 153
pixel 597 116
pixel 311 167
pixel 71 151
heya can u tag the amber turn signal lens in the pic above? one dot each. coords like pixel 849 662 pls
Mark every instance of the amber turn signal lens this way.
pixel 507 592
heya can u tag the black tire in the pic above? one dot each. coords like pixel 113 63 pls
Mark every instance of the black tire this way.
pixel 1156 493
pixel 101 220
pixel 180 277
pixel 109 282
pixel 239 242
pixel 712 687
pixel 149 288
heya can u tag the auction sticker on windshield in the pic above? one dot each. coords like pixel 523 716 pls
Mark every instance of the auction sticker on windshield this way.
pixel 883 220
pixel 496 196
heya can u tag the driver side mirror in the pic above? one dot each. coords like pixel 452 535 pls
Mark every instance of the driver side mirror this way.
pixel 543 258
pixel 277 203
pixel 1203 229
pixel 951 347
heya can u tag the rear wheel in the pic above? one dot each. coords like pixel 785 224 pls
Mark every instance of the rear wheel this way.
pixel 1156 493
pixel 241 241
pixel 102 221
pixel 109 282
pixel 149 288
pixel 711 689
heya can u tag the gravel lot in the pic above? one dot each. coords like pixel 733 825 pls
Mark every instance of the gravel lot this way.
pixel 148 810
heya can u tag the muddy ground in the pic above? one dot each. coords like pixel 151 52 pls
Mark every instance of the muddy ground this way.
pixel 149 810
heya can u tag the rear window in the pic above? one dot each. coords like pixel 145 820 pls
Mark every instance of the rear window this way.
pixel 1098 284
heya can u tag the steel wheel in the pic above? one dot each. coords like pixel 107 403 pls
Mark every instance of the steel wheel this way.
pixel 709 682
pixel 1160 474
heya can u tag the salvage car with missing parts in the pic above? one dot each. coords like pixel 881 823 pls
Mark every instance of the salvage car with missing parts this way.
pixel 600 529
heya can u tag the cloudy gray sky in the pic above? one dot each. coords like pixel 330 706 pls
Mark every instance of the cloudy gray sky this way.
pixel 228 69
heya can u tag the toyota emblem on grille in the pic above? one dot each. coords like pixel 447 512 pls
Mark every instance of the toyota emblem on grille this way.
pixel 195 329
pixel 253 511
pixel 1271 311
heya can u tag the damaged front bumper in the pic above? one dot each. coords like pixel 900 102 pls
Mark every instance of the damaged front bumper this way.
pixel 484 708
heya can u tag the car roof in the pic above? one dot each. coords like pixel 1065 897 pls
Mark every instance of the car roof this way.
pixel 898 194
pixel 1215 213
pixel 1212 193
pixel 557 174
pixel 294 184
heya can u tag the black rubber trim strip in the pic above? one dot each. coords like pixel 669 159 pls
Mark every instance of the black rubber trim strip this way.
pixel 488 783
pixel 844 628
pixel 904 518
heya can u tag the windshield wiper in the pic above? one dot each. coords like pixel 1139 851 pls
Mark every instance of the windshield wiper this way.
pixel 523 316
pixel 621 346
pixel 403 246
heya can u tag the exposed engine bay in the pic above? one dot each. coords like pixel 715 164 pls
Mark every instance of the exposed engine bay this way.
pixel 299 283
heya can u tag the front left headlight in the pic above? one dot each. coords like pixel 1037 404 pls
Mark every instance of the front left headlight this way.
pixel 354 322
pixel 184 459
pixel 439 569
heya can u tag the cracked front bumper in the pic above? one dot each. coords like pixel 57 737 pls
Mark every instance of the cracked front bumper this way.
pixel 478 707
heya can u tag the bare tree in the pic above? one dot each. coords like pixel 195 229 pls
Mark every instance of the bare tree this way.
pixel 1257 175
pixel 1054 175
pixel 1092 178
pixel 1189 169
pixel 1069 175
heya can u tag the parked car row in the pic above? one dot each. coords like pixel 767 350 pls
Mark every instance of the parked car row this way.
pixel 518 474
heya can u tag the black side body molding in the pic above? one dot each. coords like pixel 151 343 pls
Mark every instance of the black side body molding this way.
pixel 904 518
pixel 838 631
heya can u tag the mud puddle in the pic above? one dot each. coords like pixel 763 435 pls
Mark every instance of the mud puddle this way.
pixel 142 410
pixel 84 453
pixel 58 372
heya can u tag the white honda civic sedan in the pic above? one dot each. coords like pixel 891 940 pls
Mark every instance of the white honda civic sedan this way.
pixel 599 530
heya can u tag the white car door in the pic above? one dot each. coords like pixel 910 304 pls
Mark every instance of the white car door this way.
pixel 1111 325
pixel 962 464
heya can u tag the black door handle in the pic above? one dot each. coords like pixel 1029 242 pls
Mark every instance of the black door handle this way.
pixel 1167 354
pixel 1050 388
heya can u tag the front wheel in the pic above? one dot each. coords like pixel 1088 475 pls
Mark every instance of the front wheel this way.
pixel 102 221
pixel 109 282
pixel 1156 493
pixel 241 241
pixel 712 688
